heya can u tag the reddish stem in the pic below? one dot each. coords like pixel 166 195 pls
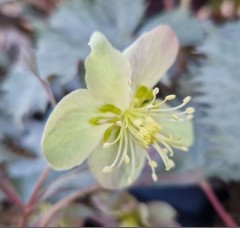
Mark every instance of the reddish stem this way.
pixel 168 5
pixel 48 91
pixel 30 206
pixel 185 4
pixel 42 177
pixel 226 218
pixel 10 193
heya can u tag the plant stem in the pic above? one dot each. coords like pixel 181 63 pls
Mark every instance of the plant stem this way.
pixel 10 193
pixel 30 206
pixel 168 5
pixel 48 91
pixel 185 4
pixel 42 177
pixel 45 172
pixel 226 218
pixel 65 202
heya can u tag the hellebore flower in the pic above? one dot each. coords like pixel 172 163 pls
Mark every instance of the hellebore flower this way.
pixel 116 120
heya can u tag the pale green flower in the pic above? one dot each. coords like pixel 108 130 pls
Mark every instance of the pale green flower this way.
pixel 116 120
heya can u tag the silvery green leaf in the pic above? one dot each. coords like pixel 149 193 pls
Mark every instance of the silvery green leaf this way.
pixel 223 119
pixel 68 182
pixel 187 28
pixel 3 60
pixel 58 56
pixel 6 155
pixel 24 166
pixel 63 42
pixel 25 172
pixel 116 19
pixel 22 95
pixel 216 85
pixel 31 137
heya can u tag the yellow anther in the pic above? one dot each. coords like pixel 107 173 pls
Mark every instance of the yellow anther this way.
pixel 175 117
pixel 150 120
pixel 164 150
pixel 129 180
pixel 170 164
pixel 170 97
pixel 107 169
pixel 155 91
pixel 153 164
pixel 183 148
pixel 154 177
pixel 106 145
pixel 144 131
pixel 189 117
pixel 119 123
pixel 190 110
pixel 150 106
pixel 142 140
pixel 186 99
pixel 138 122
pixel 126 159
pixel 152 125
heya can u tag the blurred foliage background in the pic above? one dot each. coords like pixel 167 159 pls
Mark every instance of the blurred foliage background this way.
pixel 48 40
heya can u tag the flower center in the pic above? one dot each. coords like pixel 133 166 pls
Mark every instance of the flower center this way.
pixel 137 125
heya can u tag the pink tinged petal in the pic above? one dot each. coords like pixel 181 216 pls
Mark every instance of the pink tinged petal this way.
pixel 151 55
pixel 68 137
pixel 107 72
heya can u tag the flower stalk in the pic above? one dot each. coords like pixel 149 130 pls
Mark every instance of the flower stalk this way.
pixel 225 217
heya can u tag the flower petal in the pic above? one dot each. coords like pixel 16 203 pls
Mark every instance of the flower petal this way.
pixel 182 129
pixel 151 55
pixel 118 178
pixel 69 138
pixel 107 71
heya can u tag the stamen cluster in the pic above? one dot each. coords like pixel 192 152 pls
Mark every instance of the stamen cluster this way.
pixel 138 125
